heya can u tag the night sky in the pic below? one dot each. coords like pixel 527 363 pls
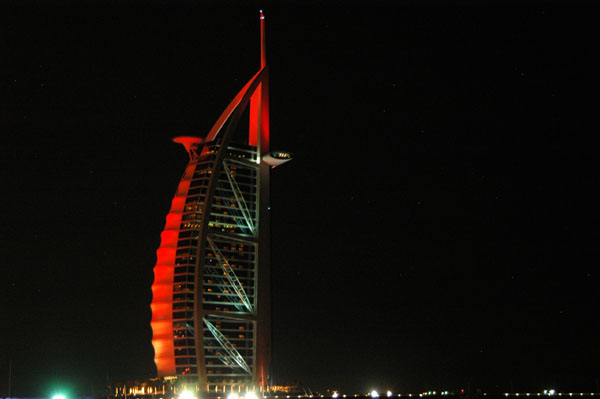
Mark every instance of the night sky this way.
pixel 438 227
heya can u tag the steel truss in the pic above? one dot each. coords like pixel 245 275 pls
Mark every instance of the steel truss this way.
pixel 230 275
pixel 239 197
pixel 233 354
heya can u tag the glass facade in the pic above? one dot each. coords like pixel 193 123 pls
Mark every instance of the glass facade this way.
pixel 218 262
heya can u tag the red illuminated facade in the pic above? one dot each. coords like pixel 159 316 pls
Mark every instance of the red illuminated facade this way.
pixel 211 294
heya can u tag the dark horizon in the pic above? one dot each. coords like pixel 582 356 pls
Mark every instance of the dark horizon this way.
pixel 436 229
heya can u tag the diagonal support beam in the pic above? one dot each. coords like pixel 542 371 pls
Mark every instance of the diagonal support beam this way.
pixel 227 347
pixel 229 273
pixel 243 207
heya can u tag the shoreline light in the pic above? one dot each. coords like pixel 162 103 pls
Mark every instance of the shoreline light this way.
pixel 186 395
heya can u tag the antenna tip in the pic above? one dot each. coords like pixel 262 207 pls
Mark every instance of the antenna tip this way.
pixel 262 16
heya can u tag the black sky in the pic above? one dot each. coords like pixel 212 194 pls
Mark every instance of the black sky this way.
pixel 437 228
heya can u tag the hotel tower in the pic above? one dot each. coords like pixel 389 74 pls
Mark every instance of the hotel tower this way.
pixel 211 294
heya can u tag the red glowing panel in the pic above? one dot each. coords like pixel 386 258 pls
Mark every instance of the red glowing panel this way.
pixel 259 116
pixel 179 201
pixel 162 292
pixel 159 347
pixel 169 238
pixel 163 274
pixel 165 256
pixel 254 117
pixel 173 221
pixel 162 309
pixel 162 329
pixel 162 289
pixel 264 117
pixel 162 355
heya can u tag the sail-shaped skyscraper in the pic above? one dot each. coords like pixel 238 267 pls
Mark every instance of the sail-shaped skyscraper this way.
pixel 211 294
